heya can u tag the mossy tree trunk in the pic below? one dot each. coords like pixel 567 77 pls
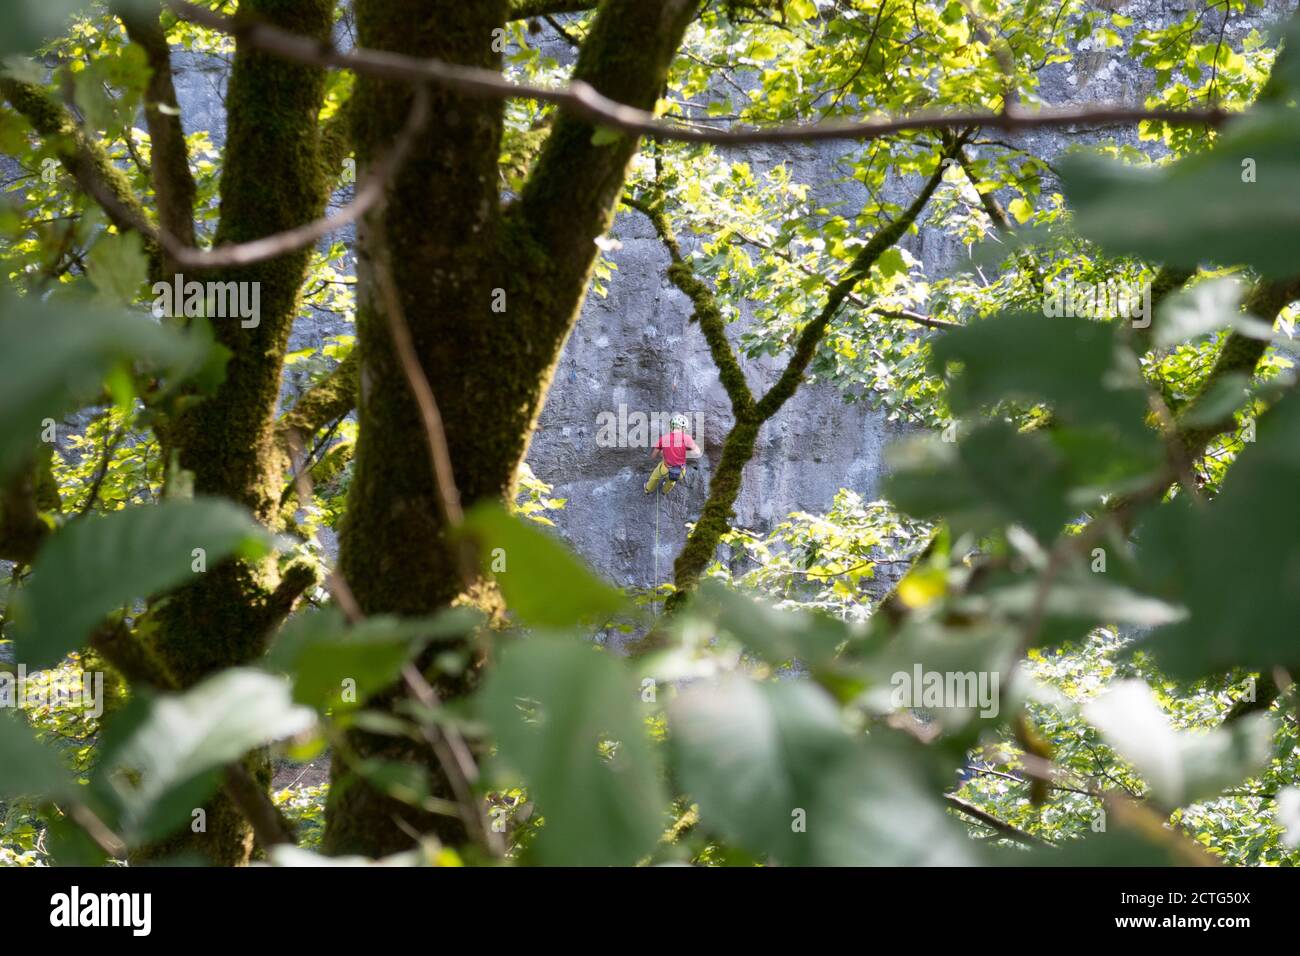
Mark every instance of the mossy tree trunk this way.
pixel 452 245
pixel 271 181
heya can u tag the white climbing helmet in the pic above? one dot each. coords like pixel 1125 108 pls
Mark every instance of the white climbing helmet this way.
pixel 680 422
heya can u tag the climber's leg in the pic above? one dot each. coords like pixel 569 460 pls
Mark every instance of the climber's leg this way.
pixel 656 476
pixel 671 480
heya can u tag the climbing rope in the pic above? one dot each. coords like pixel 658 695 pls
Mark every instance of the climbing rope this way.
pixel 655 582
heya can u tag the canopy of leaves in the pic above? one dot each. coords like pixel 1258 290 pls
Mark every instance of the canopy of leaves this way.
pixel 1073 609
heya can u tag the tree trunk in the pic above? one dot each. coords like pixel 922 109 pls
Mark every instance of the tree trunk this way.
pixel 451 248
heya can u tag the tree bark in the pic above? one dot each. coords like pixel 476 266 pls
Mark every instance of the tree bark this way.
pixel 271 181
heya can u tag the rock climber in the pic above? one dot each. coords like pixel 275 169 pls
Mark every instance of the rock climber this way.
pixel 671 450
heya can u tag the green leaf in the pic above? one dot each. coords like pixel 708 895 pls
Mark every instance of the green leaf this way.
pixel 774 771
pixel 55 356
pixel 1073 364
pixel 1221 398
pixel 1236 204
pixel 543 583
pixel 405 782
pixel 118 267
pixel 177 742
pixel 891 263
pixel 1180 767
pixel 319 650
pixel 31 769
pixel 777 636
pixel 1021 209
pixel 94 565
pixel 27 24
pixel 1287 68
pixel 1205 307
pixel 994 477
pixel 1234 563
pixel 902 668
pixel 550 704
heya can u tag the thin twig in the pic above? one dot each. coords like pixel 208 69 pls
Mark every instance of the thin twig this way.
pixel 906 315
pixel 101 472
pixel 1002 827
pixel 97 830
pixel 1070 545
pixel 269 827
pixel 1020 780
pixel 454 755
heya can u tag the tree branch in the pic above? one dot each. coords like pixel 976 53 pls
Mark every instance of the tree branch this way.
pixel 862 264
pixel 989 201
pixel 741 441
pixel 86 161
pixel 368 195
pixel 904 315
pixel 22 530
pixel 1239 354
pixel 1005 829
pixel 173 183
pixel 526 9
pixel 583 101
pixel 578 176
pixel 706 313
pixel 269 826
pixel 336 141
pixel 332 397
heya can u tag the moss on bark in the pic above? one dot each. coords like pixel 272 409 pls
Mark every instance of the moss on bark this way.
pixel 271 182
pixel 441 225
pixel 84 158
